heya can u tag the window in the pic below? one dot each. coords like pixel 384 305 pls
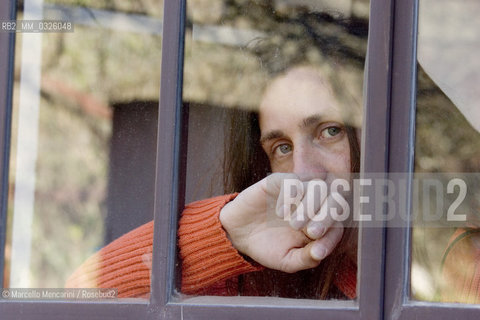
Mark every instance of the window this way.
pixel 248 67
pixel 445 104
pixel 166 179
pixel 83 137
pixel 415 253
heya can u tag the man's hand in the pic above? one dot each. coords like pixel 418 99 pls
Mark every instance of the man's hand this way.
pixel 262 225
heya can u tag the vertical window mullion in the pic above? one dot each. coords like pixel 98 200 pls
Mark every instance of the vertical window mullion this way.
pixel 170 169
pixel 375 154
pixel 401 152
pixel 7 52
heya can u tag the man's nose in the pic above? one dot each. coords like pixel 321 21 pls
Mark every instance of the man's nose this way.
pixel 308 164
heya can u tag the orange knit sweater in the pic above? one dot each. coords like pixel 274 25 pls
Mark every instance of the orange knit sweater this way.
pixel 208 258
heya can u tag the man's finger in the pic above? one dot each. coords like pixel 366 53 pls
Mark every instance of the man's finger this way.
pixel 291 192
pixel 316 192
pixel 322 247
pixel 314 252
pixel 324 218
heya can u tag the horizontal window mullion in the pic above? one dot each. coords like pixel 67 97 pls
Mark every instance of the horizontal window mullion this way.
pixel 439 311
pixel 263 312
pixel 34 309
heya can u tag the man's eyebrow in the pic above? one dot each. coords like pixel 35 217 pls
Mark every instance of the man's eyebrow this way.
pixel 309 121
pixel 275 134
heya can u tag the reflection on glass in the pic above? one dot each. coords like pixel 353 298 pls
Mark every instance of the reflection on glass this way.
pixel 83 136
pixel 272 87
pixel 445 256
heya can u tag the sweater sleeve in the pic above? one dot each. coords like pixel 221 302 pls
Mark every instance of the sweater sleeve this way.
pixel 208 257
pixel 124 264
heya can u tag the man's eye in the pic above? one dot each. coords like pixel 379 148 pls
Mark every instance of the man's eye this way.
pixel 283 148
pixel 331 132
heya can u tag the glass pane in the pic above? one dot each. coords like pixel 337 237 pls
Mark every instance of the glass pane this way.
pixel 446 246
pixel 83 145
pixel 271 86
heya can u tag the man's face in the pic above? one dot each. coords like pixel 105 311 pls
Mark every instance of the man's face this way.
pixel 301 126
